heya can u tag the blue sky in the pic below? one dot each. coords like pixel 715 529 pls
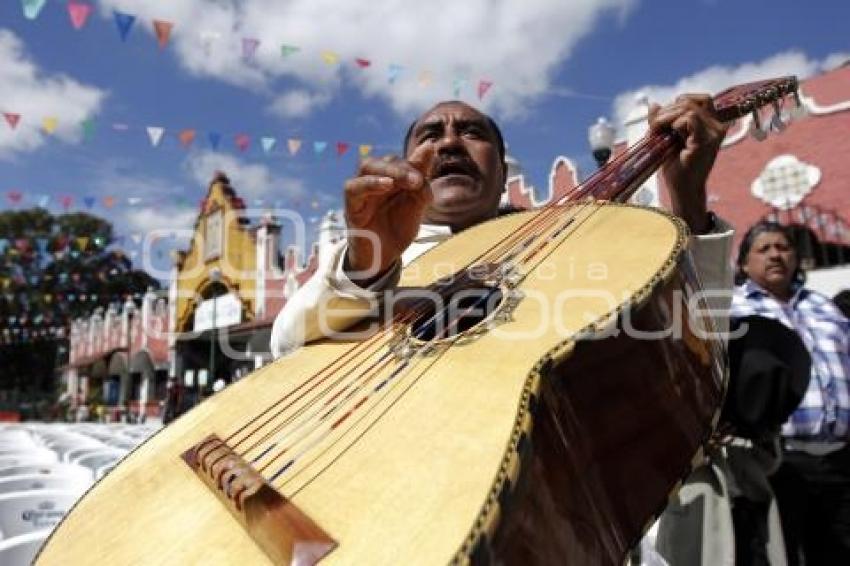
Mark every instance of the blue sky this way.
pixel 555 66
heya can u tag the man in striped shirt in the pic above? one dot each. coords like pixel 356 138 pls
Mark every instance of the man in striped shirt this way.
pixel 812 485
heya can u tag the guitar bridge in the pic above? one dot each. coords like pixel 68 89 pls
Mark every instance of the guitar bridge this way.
pixel 283 531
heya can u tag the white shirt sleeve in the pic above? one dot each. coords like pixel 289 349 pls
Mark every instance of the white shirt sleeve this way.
pixel 329 302
pixel 711 254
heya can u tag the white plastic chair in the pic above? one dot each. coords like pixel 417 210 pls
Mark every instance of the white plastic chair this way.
pixel 34 510
pixel 22 459
pixel 21 550
pixel 30 482
pixel 67 470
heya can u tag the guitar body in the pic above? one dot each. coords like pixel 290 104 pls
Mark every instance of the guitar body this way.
pixel 518 442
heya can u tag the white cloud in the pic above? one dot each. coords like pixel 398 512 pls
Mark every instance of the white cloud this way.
pixel 250 180
pixel 716 78
pixel 516 45
pixel 298 103
pixel 36 95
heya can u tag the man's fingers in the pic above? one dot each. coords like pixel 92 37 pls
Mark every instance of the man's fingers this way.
pixel 401 172
pixel 422 159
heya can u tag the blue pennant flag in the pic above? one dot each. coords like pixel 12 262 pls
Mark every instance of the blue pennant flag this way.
pixel 215 139
pixel 89 200
pixel 32 8
pixel 319 147
pixel 124 22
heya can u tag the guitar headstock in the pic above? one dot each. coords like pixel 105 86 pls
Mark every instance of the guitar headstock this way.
pixel 738 101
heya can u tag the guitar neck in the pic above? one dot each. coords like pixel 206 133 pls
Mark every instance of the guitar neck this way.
pixel 622 177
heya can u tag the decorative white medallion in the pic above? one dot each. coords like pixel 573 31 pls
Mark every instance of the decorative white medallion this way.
pixel 785 181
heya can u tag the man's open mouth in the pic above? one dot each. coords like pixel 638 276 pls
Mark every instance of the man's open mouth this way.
pixel 450 168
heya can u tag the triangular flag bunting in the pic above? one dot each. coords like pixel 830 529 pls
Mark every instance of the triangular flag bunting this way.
pixel 457 86
pixel 425 78
pixel 12 119
pixel 207 38
pixel 186 137
pixel 155 135
pixel 79 13
pixel 330 57
pixel 365 150
pixel 341 148
pixel 319 147
pixel 49 124
pixel 133 201
pixel 483 87
pixel 108 201
pixel 294 145
pixel 287 50
pixel 243 141
pixel 82 243
pixel 268 143
pixel 163 32
pixel 32 8
pixel 249 48
pixel 88 128
pixel 215 139
pixel 89 201
pixel 124 23
pixel 393 71
pixel 362 63
pixel 136 237
pixel 14 196
pixel 43 200
pixel 67 201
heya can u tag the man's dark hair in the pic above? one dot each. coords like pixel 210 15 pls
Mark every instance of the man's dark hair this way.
pixel 754 232
pixel 492 123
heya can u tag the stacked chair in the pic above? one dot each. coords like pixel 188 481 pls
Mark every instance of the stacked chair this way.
pixel 44 469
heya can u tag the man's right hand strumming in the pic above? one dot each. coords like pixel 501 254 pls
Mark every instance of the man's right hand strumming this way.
pixel 384 205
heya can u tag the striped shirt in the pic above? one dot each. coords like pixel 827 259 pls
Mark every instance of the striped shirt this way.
pixel 824 413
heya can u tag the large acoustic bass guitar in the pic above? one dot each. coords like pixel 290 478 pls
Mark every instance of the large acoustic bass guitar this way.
pixel 532 395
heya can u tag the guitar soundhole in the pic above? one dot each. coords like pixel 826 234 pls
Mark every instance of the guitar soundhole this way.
pixel 457 314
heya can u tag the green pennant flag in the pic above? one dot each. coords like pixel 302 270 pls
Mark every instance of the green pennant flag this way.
pixel 287 50
pixel 88 128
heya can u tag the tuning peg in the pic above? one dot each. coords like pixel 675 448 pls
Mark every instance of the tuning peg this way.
pixel 756 131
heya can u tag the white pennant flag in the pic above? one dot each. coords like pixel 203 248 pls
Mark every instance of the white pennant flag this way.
pixel 155 134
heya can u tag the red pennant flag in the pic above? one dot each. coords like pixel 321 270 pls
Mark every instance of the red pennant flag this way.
pixel 12 119
pixel 186 137
pixel 243 141
pixel 362 63
pixel 67 201
pixel 341 148
pixel 79 13
pixel 483 87
pixel 14 196
pixel 163 32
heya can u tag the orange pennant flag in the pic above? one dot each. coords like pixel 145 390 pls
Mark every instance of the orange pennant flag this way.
pixel 186 137
pixel 294 145
pixel 108 201
pixel 163 32
pixel 365 150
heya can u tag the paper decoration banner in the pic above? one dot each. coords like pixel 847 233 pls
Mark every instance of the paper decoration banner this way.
pixel 214 139
pixel 32 8
pixel 155 134
pixel 124 23
pixel 294 145
pixel 393 71
pixel 330 57
pixel 249 48
pixel 341 148
pixel 243 142
pixel 287 50
pixel 89 201
pixel 268 143
pixel 79 13
pixel 49 124
pixel 12 119
pixel 186 137
pixel 319 147
pixel 362 63
pixel 483 87
pixel 163 32
pixel 365 150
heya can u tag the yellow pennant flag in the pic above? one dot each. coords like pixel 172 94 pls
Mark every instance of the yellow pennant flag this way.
pixel 365 150
pixel 48 298
pixel 330 57
pixel 49 124
pixel 83 242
